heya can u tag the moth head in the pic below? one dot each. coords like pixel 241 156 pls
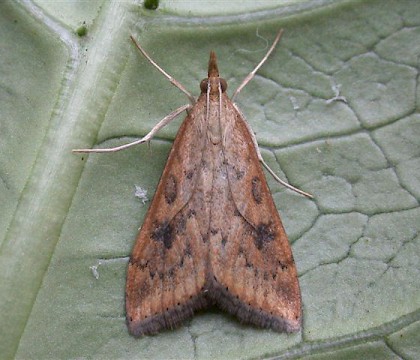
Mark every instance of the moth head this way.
pixel 213 79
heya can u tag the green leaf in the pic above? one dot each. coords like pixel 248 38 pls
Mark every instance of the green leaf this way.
pixel 335 112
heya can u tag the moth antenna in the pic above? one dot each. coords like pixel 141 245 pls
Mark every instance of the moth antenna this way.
pixel 264 59
pixel 169 77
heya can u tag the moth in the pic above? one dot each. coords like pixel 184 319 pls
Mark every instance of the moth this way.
pixel 212 234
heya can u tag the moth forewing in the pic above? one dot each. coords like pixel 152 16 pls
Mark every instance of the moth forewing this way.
pixel 255 268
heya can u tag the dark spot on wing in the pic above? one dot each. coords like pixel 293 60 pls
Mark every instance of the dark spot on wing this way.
pixel 164 233
pixel 257 190
pixel 180 223
pixel 265 276
pixel 263 234
pixel 188 251
pixel 171 189
pixel 240 174
pixel 282 266
pixel 189 174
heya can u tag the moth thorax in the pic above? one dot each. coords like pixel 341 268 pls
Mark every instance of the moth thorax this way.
pixel 213 82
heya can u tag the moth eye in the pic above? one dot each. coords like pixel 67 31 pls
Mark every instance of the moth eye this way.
pixel 203 85
pixel 223 84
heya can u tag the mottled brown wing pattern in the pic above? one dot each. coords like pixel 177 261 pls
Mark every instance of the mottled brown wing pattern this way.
pixel 252 261
pixel 167 267
pixel 212 234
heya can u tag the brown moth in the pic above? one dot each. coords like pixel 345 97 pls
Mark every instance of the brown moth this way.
pixel 212 234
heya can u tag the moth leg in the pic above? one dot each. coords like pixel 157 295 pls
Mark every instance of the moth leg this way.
pixel 169 77
pixel 291 187
pixel 252 73
pixel 260 158
pixel 162 123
